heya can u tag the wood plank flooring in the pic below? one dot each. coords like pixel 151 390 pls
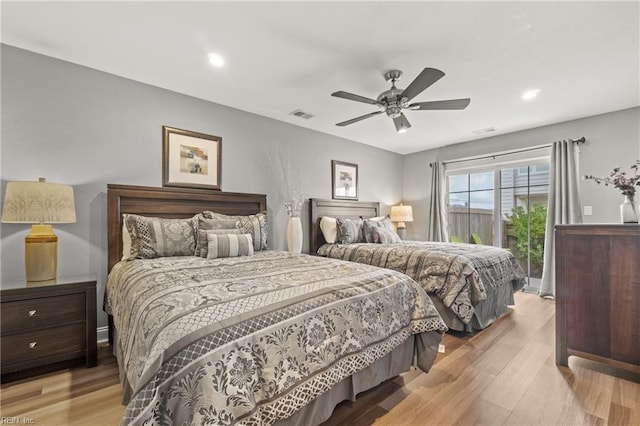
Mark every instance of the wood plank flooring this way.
pixel 504 375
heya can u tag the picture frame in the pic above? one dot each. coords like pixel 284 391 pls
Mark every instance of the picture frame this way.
pixel 191 159
pixel 344 180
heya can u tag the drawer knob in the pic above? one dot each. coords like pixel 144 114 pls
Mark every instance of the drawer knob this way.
pixel 33 345
pixel 32 313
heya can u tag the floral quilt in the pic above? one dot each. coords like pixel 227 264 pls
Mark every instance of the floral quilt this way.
pixel 458 274
pixel 251 340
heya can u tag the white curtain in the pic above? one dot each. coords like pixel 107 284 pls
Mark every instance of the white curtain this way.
pixel 563 206
pixel 438 214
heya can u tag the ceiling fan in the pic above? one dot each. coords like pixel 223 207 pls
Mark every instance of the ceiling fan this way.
pixel 394 100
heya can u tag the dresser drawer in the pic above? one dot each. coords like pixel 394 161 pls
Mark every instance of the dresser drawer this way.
pixel 39 347
pixel 22 315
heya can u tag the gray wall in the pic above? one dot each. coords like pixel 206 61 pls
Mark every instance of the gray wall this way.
pixel 612 140
pixel 86 128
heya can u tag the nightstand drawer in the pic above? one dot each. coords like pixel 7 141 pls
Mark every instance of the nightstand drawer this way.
pixel 52 343
pixel 29 314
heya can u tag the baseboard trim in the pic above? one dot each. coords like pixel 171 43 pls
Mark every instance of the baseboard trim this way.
pixel 103 334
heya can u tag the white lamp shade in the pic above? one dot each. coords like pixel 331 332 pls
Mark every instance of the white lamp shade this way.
pixel 401 213
pixel 38 202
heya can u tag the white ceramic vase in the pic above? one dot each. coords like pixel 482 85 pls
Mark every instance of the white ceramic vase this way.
pixel 294 234
pixel 629 210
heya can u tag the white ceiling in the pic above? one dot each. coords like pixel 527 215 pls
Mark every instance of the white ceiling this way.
pixel 282 56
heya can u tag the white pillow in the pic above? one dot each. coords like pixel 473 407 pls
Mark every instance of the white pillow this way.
pixel 329 229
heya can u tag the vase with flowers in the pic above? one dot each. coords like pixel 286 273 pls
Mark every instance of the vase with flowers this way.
pixel 289 178
pixel 626 183
pixel 294 226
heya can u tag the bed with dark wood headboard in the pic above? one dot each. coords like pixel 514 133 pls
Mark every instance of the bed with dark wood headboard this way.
pixel 170 203
pixel 338 209
pixel 181 312
pixel 502 275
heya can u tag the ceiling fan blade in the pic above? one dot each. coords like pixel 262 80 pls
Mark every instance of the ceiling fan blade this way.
pixel 352 97
pixel 449 104
pixel 362 117
pixel 402 124
pixel 426 78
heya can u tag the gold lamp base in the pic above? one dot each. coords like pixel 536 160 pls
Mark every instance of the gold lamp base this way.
pixel 41 253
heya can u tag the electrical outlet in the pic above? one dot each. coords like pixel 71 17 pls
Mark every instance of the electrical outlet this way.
pixel 441 349
pixel 588 210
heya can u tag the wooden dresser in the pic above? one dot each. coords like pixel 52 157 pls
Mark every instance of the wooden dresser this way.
pixel 45 326
pixel 598 294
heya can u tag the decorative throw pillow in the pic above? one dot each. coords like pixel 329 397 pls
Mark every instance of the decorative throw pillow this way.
pixel 158 237
pixel 328 226
pixel 126 239
pixel 385 236
pixel 349 231
pixel 375 222
pixel 229 245
pixel 257 226
pixel 207 224
pixel 203 241
pixel 220 216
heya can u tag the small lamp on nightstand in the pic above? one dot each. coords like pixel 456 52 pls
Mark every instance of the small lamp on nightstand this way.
pixel 42 204
pixel 401 214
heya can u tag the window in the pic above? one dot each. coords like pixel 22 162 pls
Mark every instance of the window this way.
pixel 504 206
pixel 535 169
pixel 471 207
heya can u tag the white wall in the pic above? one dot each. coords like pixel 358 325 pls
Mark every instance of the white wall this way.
pixel 86 128
pixel 612 140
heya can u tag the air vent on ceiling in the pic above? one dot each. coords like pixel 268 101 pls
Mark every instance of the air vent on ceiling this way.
pixel 485 130
pixel 301 114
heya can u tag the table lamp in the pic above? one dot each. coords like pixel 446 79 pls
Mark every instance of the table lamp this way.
pixel 401 214
pixel 41 203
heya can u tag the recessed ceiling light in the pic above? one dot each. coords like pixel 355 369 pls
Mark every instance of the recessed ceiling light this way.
pixel 530 94
pixel 216 60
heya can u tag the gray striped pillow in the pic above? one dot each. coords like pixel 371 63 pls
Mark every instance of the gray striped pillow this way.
pixel 254 224
pixel 385 236
pixel 229 245
pixel 202 244
pixel 375 222
pixel 349 231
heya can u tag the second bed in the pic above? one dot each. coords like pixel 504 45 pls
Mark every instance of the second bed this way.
pixel 470 285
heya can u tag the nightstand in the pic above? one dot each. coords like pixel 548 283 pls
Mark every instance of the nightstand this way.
pixel 46 326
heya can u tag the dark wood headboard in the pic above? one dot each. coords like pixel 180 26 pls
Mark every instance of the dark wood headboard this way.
pixel 170 203
pixel 338 209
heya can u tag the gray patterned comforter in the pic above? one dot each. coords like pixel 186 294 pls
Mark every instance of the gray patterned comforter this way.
pixel 458 274
pixel 250 340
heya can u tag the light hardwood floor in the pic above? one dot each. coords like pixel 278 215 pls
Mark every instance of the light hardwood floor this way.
pixel 504 375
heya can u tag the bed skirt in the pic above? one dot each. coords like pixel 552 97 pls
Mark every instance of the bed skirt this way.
pixel 485 313
pixel 398 361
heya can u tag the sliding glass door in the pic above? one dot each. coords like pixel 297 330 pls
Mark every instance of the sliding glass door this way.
pixel 471 208
pixel 505 207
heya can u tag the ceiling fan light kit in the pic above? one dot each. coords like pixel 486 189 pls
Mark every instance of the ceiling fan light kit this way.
pixel 394 100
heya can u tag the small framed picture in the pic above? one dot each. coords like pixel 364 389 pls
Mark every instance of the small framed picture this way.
pixel 190 159
pixel 344 180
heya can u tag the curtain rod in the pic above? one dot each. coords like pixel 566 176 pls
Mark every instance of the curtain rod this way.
pixel 535 148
